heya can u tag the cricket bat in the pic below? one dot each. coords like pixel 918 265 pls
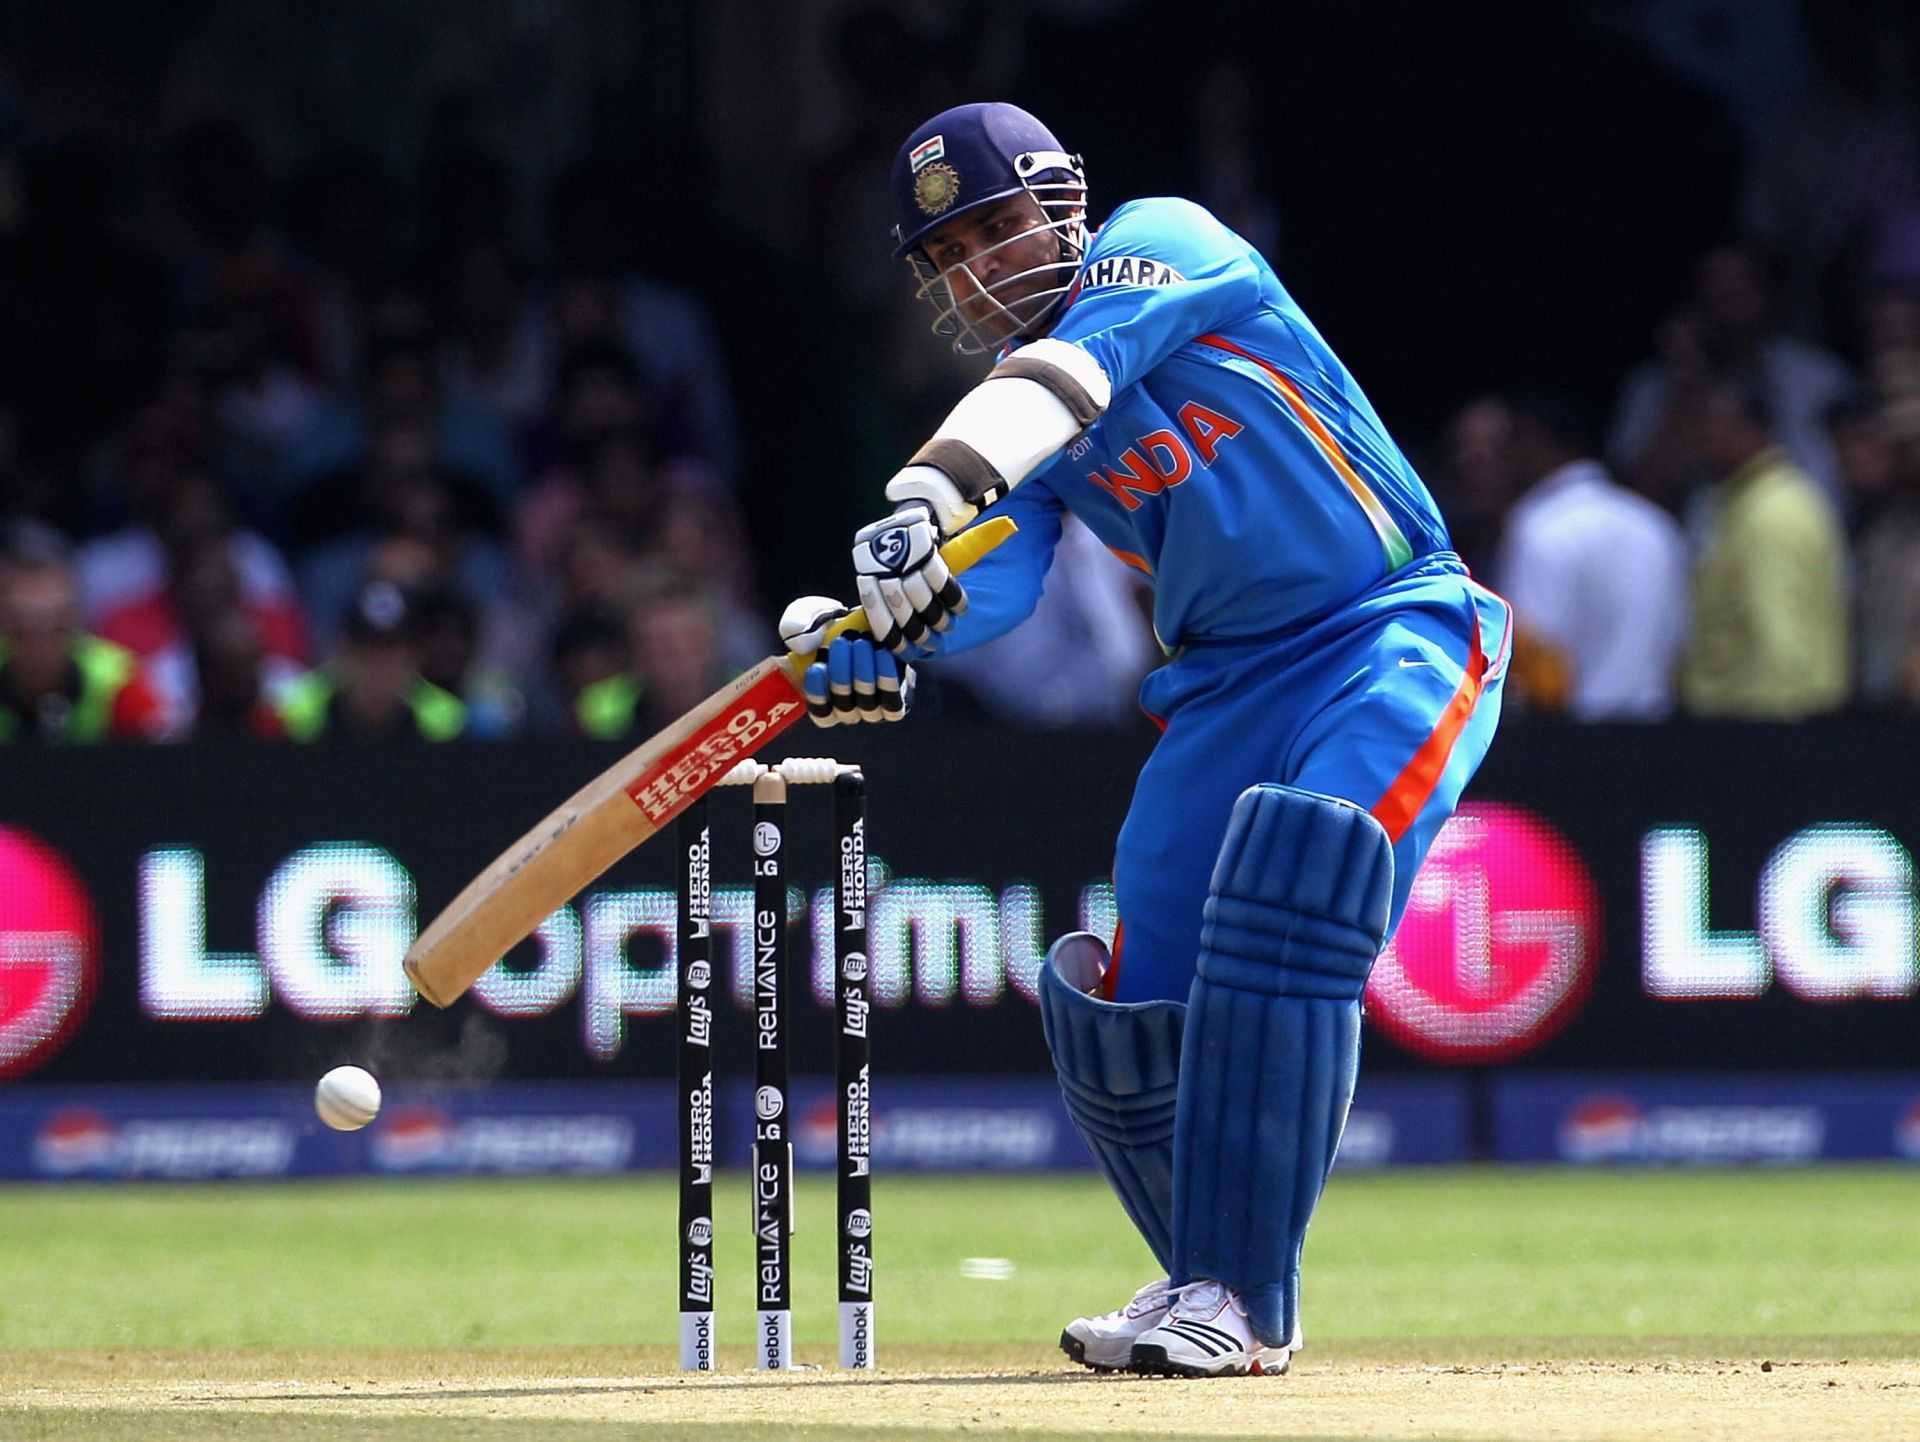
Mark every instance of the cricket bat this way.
pixel 628 802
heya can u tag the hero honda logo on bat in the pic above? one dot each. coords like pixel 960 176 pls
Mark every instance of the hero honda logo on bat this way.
pixel 713 749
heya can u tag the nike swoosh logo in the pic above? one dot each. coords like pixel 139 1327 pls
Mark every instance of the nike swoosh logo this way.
pixel 1406 665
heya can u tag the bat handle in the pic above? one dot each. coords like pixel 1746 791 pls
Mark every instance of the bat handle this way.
pixel 961 553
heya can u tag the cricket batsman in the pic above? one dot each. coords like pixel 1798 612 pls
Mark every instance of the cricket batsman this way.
pixel 1333 681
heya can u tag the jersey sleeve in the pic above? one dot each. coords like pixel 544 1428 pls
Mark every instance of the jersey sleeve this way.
pixel 1004 586
pixel 1159 273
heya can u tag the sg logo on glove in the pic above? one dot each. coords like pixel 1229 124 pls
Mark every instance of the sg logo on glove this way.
pixel 890 547
pixel 905 586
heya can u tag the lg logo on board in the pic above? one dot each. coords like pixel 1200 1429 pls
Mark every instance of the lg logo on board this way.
pixel 1499 942
pixel 49 949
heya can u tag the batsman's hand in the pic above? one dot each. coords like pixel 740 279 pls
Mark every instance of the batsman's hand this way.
pixel 905 586
pixel 854 680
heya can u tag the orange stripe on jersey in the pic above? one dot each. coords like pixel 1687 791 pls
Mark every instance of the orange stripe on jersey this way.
pixel 1391 540
pixel 1139 563
pixel 1410 789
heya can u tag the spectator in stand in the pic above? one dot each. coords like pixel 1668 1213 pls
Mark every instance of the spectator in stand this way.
pixel 405 494
pixel 131 580
pixel 208 594
pixel 1879 449
pixel 600 397
pixel 400 388
pixel 1858 433
pixel 699 542
pixel 448 629
pixel 1890 325
pixel 373 689
pixel 235 687
pixel 593 668
pixel 1477 484
pixel 594 573
pixel 615 481
pixel 597 210
pixel 1769 637
pixel 1596 575
pixel 263 400
pixel 1729 326
pixel 675 636
pixel 1667 468
pixel 58 683
pixel 498 351
pixel 1834 158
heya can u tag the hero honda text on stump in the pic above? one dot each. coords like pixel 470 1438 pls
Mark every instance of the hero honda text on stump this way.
pixel 853 1190
pixel 694 1069
pixel 772 1152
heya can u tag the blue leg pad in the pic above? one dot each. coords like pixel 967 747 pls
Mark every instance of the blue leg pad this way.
pixel 1301 896
pixel 1119 1069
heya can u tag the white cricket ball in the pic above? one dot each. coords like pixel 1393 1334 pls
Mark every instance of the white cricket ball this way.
pixel 347 1098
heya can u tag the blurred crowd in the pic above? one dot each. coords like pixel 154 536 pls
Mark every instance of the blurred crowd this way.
pixel 1741 539
pixel 318 450
pixel 280 476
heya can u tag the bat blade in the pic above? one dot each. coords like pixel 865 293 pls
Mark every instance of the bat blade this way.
pixel 597 825
pixel 620 808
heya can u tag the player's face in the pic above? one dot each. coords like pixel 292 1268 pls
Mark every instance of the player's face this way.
pixel 997 261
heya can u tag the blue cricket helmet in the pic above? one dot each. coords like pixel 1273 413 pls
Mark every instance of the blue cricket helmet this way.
pixel 967 157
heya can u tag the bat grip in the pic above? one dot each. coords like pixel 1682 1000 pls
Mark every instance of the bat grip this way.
pixel 961 554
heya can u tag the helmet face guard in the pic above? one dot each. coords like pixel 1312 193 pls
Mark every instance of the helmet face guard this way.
pixel 960 162
pixel 1013 311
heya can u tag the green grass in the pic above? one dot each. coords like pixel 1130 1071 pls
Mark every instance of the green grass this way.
pixel 1427 1260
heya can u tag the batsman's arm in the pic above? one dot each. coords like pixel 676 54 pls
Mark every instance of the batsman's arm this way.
pixel 1030 407
pixel 623 806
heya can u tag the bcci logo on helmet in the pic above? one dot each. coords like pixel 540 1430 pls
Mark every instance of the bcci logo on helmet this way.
pixel 936 188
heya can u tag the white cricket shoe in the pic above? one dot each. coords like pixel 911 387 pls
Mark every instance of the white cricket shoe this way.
pixel 1105 1343
pixel 1206 1334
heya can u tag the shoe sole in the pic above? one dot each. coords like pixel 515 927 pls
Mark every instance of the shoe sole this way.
pixel 1152 1361
pixel 1077 1351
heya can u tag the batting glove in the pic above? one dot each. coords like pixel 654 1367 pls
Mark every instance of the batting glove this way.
pixel 854 680
pixel 905 587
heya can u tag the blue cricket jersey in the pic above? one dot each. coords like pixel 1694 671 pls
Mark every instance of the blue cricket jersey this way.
pixel 1239 465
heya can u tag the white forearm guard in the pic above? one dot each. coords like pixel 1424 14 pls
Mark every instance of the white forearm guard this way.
pixel 1029 406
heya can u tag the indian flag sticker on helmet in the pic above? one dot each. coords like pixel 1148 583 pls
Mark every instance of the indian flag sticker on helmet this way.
pixel 935 188
pixel 926 152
